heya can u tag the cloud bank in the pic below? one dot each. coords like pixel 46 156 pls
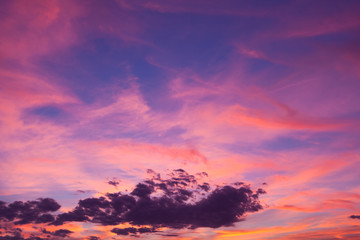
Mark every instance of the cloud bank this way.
pixel 180 201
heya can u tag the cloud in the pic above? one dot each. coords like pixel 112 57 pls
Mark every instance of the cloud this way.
pixel 58 233
pixel 93 238
pixel 62 233
pixel 179 201
pixel 17 234
pixel 46 25
pixel 29 212
pixel 114 182
pixel 355 216
pixel 132 230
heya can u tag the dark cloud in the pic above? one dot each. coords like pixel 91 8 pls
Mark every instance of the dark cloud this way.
pixel 58 233
pixel 29 212
pixel 132 230
pixel 179 201
pixel 77 215
pixel 45 218
pixel 114 182
pixel 62 233
pixel 124 231
pixel 355 216
pixel 93 238
pixel 16 234
pixel 8 237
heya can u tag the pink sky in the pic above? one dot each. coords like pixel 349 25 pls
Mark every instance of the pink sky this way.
pixel 251 91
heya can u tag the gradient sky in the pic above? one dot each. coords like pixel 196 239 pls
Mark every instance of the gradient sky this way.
pixel 252 91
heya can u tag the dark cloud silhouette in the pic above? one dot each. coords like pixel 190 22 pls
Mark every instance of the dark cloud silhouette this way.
pixel 114 182
pixel 180 200
pixel 62 233
pixel 76 215
pixel 7 237
pixel 132 230
pixel 29 212
pixel 42 233
pixel 93 238
pixel 12 232
pixel 355 216
pixel 124 231
pixel 16 234
pixel 58 233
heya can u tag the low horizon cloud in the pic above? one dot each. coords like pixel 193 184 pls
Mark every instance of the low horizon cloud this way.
pixel 180 201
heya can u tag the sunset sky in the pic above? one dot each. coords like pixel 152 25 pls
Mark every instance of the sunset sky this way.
pixel 95 93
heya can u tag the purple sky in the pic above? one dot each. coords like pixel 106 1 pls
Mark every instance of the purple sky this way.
pixel 92 94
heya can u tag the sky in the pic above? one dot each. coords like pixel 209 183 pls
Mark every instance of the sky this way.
pixel 169 119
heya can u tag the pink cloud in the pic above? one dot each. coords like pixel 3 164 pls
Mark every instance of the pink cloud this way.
pixel 36 28
pixel 44 28
pixel 123 147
